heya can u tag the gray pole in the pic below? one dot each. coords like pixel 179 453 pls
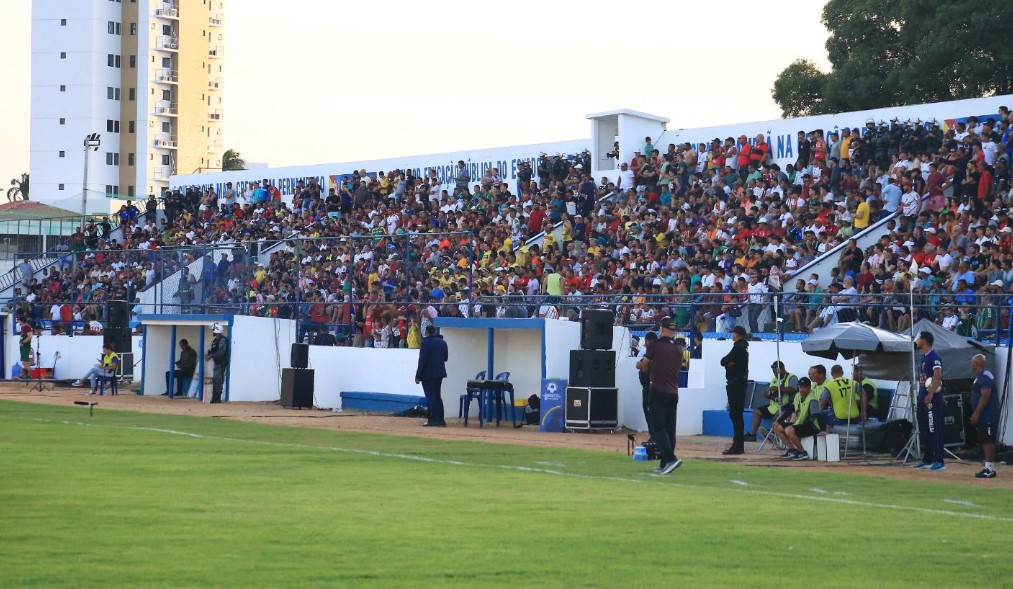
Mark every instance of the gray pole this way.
pixel 84 186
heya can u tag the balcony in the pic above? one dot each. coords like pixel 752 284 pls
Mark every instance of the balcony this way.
pixel 164 108
pixel 166 10
pixel 166 76
pixel 215 51
pixel 214 83
pixel 215 114
pixel 164 141
pixel 215 20
pixel 166 43
pixel 161 173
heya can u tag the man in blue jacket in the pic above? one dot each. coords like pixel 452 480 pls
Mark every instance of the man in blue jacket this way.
pixel 432 370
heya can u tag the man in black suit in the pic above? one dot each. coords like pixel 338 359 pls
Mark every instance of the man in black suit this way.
pixel 432 369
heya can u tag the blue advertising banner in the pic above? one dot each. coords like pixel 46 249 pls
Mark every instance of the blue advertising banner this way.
pixel 551 405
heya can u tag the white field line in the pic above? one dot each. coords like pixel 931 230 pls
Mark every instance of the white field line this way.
pixel 739 487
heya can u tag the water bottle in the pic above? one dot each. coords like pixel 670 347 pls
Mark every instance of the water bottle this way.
pixel 640 454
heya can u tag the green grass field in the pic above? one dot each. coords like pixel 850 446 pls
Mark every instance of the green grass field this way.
pixel 126 499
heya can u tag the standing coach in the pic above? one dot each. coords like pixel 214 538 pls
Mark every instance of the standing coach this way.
pixel 736 365
pixel 664 362
pixel 433 355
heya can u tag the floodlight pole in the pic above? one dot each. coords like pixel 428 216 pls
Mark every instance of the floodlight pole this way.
pixel 94 140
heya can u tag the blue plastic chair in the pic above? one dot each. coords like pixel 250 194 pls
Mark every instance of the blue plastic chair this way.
pixel 464 404
pixel 102 380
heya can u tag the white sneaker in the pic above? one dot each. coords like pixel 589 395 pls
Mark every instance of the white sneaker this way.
pixel 77 383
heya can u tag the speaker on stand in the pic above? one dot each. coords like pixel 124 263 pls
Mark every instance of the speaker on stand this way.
pixel 596 329
pixel 300 357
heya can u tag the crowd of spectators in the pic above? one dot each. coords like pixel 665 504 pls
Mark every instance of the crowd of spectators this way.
pixel 709 234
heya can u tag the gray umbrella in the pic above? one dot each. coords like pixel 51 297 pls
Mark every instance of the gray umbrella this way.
pixel 851 339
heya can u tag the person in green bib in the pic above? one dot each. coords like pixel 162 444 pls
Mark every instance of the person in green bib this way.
pixel 841 401
pixel 803 422
pixel 782 389
pixel 871 393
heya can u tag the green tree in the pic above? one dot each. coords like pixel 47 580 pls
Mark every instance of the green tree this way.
pixel 798 89
pixel 18 189
pixel 897 52
pixel 233 160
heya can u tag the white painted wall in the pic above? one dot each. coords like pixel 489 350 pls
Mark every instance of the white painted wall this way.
pixel 260 348
pixel 781 134
pixel 285 178
pixel 77 354
pixel 366 370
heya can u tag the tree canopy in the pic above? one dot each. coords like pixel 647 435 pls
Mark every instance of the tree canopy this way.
pixel 898 52
pixel 19 188
pixel 233 160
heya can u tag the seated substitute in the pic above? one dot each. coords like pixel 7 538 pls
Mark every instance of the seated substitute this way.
pixel 803 422
pixel 842 400
pixel 106 367
pixel 781 391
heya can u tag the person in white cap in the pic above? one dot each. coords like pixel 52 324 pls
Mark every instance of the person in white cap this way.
pixel 219 354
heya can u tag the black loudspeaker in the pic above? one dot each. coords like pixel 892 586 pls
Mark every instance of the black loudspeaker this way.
pixel 596 329
pixel 591 408
pixel 117 314
pixel 300 355
pixel 119 338
pixel 297 388
pixel 953 420
pixel 592 368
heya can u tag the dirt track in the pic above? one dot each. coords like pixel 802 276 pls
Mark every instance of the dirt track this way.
pixel 689 447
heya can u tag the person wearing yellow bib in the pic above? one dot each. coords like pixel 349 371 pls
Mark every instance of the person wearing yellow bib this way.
pixel 803 422
pixel 780 392
pixel 841 401
pixel 105 368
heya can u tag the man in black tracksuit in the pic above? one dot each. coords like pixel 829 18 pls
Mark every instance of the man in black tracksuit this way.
pixel 736 365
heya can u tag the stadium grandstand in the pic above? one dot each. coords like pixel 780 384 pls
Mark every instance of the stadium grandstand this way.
pixel 884 220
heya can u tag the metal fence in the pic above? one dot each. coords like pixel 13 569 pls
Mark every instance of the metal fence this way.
pixel 350 286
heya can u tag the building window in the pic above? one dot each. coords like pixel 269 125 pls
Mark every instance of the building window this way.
pixel 63 22
pixel 112 159
pixel 130 159
pixel 133 61
pixel 112 93
pixel 111 28
pixel 112 126
pixel 63 121
pixel 130 127
pixel 133 29
pixel 59 187
pixel 130 190
pixel 165 160
pixel 63 88
pixel 63 154
pixel 132 94
pixel 63 55
pixel 113 60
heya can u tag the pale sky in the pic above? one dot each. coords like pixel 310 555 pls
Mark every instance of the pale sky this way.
pixel 314 81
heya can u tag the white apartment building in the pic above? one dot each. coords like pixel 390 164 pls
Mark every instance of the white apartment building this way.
pixel 146 75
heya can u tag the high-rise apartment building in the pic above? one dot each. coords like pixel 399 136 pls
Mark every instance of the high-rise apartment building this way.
pixel 144 74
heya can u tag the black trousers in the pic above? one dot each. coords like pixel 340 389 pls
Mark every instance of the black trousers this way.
pixel 661 416
pixel 217 383
pixel 645 386
pixel 736 389
pixel 178 376
pixel 434 398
